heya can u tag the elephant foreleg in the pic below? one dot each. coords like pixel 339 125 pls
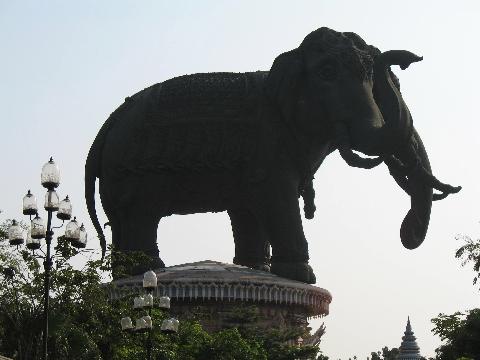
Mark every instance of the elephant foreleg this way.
pixel 251 242
pixel 278 209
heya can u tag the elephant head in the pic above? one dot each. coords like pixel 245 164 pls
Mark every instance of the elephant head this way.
pixel 340 92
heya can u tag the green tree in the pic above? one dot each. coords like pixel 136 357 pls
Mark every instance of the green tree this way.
pixel 84 323
pixel 461 330
pixel 469 253
pixel 77 304
pixel 385 354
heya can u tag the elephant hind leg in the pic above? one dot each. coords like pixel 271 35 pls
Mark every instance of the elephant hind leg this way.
pixel 134 234
pixel 252 248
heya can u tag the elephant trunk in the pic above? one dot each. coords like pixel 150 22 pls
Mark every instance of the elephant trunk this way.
pixel 398 126
pixel 415 224
pixel 408 161
pixel 389 124
pixel 390 135
pixel 411 169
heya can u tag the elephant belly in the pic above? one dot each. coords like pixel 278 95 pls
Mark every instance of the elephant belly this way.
pixel 165 193
pixel 203 192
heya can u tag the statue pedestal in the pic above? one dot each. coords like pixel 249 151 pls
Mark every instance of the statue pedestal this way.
pixel 223 295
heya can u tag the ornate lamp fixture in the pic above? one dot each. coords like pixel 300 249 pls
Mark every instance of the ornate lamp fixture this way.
pixel 50 179
pixel 144 324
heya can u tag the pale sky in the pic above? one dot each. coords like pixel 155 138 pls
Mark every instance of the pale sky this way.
pixel 65 66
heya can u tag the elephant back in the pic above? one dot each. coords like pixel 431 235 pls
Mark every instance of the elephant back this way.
pixel 199 121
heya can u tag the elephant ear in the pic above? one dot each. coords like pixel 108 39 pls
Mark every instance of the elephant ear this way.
pixel 282 84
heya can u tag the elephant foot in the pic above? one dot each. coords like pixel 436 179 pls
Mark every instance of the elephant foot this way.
pixel 123 268
pixel 299 271
pixel 150 264
pixel 261 267
pixel 257 265
pixel 157 263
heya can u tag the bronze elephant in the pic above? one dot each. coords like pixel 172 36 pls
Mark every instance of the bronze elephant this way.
pixel 250 143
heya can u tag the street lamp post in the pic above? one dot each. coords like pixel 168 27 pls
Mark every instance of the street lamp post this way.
pixel 145 324
pixel 50 179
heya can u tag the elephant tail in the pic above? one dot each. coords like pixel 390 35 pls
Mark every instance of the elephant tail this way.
pixel 92 172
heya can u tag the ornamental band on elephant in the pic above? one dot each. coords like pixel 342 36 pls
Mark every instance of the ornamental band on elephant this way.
pixel 250 143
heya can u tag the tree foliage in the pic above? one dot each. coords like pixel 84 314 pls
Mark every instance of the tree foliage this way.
pixel 461 333
pixel 85 324
pixel 469 253
pixel 385 354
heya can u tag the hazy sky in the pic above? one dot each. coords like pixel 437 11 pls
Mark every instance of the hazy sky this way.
pixel 65 66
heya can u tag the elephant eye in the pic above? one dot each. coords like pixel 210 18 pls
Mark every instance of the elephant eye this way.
pixel 328 72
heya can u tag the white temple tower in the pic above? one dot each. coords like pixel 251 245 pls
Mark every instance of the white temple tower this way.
pixel 409 350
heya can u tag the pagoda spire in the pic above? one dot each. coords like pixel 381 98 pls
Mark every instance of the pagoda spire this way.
pixel 409 350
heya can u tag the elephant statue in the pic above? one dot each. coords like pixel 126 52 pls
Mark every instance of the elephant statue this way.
pixel 250 144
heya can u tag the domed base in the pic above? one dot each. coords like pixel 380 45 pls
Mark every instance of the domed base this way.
pixel 225 295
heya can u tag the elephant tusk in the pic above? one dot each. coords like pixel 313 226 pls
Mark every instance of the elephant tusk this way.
pixel 429 179
pixel 398 172
pixel 347 154
pixel 356 160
